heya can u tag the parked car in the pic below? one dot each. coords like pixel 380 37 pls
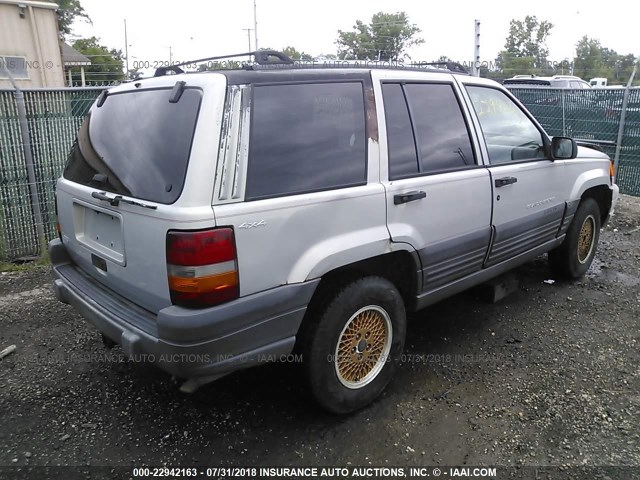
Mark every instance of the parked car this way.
pixel 556 81
pixel 219 220
pixel 568 93
pixel 614 109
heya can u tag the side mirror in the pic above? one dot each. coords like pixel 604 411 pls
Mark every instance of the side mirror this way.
pixel 563 148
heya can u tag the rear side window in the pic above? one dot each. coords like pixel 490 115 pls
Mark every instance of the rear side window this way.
pixel 426 130
pixel 137 144
pixel 305 138
pixel 441 133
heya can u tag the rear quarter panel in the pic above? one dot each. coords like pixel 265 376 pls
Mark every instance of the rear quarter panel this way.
pixel 297 238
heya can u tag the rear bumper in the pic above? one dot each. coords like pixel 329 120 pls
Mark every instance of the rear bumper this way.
pixel 188 343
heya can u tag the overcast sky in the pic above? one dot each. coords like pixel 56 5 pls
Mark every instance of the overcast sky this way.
pixel 200 28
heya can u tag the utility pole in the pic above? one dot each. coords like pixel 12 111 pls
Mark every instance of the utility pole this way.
pixel 475 68
pixel 126 49
pixel 249 39
pixel 249 30
pixel 255 26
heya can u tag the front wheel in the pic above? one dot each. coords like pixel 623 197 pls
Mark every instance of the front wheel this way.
pixel 353 346
pixel 573 257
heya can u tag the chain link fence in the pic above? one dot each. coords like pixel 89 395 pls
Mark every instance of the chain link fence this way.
pixel 53 117
pixel 598 115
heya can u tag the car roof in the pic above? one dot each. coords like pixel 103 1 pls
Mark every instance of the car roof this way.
pixel 528 81
pixel 558 81
pixel 290 74
pixel 542 77
pixel 286 73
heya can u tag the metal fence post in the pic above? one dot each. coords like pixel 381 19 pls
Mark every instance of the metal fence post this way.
pixel 564 116
pixel 623 117
pixel 28 158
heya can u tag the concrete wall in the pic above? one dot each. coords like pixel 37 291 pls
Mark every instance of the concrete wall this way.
pixel 35 37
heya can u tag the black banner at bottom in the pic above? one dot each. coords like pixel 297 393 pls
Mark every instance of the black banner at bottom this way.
pixel 319 473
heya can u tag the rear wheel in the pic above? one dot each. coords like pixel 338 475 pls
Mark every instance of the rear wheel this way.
pixel 573 258
pixel 352 348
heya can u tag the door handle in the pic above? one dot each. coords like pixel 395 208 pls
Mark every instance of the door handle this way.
pixel 501 182
pixel 408 197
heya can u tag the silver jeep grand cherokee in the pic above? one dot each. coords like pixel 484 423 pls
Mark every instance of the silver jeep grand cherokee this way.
pixel 218 220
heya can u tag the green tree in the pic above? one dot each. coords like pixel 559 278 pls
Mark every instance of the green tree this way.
pixel 294 54
pixel 588 62
pixel 594 60
pixel 107 66
pixel 618 67
pixel 511 66
pixel 386 37
pixel 68 12
pixel 623 67
pixel 525 50
pixel 134 74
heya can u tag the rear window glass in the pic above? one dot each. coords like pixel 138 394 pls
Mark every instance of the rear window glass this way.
pixel 136 144
pixel 305 138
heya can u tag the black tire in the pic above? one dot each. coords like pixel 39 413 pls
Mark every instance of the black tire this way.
pixel 573 257
pixel 380 305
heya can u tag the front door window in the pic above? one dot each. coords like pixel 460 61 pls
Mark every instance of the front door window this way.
pixel 510 134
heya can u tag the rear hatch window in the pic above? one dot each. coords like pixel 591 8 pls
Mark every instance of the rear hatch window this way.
pixel 137 144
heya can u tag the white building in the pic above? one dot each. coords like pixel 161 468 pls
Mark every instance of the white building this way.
pixel 30 45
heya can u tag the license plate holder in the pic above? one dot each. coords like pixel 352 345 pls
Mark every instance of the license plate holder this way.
pixel 100 230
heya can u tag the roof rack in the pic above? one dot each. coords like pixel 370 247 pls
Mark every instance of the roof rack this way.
pixel 444 67
pixel 267 59
pixel 451 66
pixel 262 57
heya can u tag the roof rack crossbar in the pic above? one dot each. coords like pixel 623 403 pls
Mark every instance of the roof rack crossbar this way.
pixel 451 66
pixel 417 66
pixel 262 57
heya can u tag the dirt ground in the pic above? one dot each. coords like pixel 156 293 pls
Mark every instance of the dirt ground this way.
pixel 549 376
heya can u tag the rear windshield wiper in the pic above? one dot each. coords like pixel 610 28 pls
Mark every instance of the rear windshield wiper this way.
pixel 115 201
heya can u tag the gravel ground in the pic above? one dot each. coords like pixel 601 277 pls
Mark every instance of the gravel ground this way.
pixel 548 376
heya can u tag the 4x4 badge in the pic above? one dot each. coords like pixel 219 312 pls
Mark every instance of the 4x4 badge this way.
pixel 261 223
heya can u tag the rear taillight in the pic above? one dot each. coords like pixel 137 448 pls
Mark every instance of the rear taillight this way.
pixel 202 267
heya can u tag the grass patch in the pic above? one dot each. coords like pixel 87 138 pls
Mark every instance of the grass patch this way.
pixel 24 266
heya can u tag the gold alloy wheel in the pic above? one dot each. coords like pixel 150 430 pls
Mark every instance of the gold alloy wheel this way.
pixel 363 346
pixel 586 238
